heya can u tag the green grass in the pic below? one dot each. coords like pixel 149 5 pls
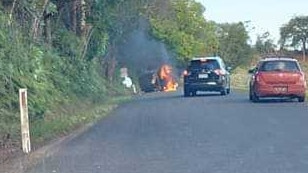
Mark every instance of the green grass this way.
pixel 240 78
pixel 304 66
pixel 71 117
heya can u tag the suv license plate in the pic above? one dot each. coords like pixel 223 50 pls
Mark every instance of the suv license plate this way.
pixel 203 76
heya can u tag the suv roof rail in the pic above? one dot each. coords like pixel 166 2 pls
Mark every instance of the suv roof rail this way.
pixel 206 57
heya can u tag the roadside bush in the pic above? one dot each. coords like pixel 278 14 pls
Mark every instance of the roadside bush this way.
pixel 52 76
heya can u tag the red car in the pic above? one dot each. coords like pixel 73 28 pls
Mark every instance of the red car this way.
pixel 277 77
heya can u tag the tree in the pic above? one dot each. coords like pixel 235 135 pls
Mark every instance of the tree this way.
pixel 295 33
pixel 264 45
pixel 184 29
pixel 117 18
pixel 233 46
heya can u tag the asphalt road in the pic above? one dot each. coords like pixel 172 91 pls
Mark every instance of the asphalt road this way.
pixel 167 133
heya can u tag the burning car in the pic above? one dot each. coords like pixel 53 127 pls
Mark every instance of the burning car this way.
pixel 166 79
pixel 158 80
pixel 148 81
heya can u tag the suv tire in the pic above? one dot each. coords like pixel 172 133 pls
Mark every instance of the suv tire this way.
pixel 223 92
pixel 229 88
pixel 186 92
pixel 228 91
pixel 301 99
pixel 194 93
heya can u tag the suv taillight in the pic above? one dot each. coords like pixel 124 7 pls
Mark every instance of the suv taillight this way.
pixel 186 73
pixel 219 72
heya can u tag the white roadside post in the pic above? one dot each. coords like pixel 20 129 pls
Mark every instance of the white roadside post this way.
pixel 24 119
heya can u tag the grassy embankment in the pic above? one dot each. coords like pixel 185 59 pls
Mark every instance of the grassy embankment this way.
pixel 65 91
pixel 65 119
pixel 59 121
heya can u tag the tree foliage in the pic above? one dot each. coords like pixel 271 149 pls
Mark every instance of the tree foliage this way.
pixel 184 29
pixel 264 45
pixel 295 33
pixel 233 46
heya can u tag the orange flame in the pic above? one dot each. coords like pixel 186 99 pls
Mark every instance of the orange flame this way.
pixel 165 75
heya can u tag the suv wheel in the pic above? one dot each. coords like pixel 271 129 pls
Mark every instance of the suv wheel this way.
pixel 223 92
pixel 186 92
pixel 228 91
pixel 301 99
pixel 194 93
pixel 229 88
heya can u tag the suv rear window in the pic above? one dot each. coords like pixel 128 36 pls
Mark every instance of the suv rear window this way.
pixel 209 64
pixel 268 66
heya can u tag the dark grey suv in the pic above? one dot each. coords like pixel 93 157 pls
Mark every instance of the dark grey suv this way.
pixel 206 74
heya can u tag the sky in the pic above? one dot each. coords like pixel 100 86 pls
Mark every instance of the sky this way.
pixel 264 15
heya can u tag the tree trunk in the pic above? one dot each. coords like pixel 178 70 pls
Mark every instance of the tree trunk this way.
pixel 86 39
pixel 37 20
pixel 74 7
pixel 82 18
pixel 304 49
pixel 35 27
pixel 47 29
pixel 11 12
pixel 110 63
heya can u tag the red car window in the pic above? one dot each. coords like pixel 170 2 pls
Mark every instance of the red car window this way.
pixel 268 66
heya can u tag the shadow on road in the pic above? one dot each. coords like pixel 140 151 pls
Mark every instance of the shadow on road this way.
pixel 275 100
pixel 232 98
pixel 207 95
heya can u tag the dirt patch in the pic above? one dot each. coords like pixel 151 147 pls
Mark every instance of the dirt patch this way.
pixel 7 154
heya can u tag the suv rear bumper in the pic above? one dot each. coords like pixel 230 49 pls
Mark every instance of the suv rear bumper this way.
pixel 207 86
